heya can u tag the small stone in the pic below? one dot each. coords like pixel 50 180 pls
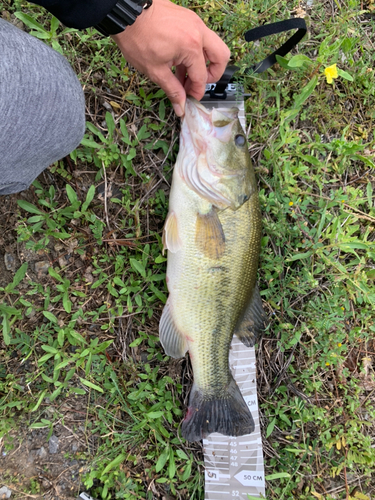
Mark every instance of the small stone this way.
pixel 75 446
pixel 5 492
pixel 53 444
pixel 42 453
pixel 63 261
pixel 9 261
pixel 41 267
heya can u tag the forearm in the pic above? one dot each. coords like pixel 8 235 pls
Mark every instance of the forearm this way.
pixel 78 13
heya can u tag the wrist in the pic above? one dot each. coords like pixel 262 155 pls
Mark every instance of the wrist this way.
pixel 124 14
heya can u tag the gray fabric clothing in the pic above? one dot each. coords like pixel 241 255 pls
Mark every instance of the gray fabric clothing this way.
pixel 42 109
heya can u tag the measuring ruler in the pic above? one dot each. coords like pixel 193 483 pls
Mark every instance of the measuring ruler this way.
pixel 234 466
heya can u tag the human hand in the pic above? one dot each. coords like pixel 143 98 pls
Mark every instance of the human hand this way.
pixel 167 35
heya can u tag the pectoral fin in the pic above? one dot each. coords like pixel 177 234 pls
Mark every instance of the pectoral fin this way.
pixel 252 322
pixel 209 235
pixel 171 239
pixel 173 342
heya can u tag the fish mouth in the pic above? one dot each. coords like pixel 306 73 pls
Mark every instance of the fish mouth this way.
pixel 210 123
pixel 200 169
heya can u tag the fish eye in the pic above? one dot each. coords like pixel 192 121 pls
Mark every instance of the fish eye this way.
pixel 239 140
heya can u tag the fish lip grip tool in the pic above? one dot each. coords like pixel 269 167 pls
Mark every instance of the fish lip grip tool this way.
pixel 234 466
pixel 219 90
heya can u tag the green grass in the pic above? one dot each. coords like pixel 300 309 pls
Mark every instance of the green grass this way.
pixel 93 333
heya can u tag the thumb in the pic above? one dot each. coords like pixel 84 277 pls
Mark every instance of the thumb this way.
pixel 173 88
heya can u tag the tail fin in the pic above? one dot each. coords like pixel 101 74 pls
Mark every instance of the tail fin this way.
pixel 228 415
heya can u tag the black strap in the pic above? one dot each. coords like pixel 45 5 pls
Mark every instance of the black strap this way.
pixel 255 34
pixel 273 29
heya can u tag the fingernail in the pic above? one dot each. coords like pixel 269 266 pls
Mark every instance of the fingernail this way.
pixel 178 110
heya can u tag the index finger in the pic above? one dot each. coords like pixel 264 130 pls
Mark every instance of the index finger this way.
pixel 217 53
pixel 195 84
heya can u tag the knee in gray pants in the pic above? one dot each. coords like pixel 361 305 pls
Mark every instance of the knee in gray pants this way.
pixel 42 108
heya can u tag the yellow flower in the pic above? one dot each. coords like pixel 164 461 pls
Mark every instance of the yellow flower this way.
pixel 339 344
pixel 291 203
pixel 327 364
pixel 331 73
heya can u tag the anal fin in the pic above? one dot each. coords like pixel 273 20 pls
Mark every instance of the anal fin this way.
pixel 209 235
pixel 172 340
pixel 252 322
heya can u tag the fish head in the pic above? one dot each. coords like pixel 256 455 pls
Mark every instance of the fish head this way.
pixel 217 163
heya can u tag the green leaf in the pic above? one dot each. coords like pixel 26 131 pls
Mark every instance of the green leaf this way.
pixel 4 309
pixel 54 24
pixel 29 207
pixel 91 385
pixel 18 277
pixel 60 337
pixel 89 197
pixel 44 358
pixel 298 61
pixel 159 259
pixel 136 342
pixel 39 401
pixel 345 75
pixel 138 267
pixel 6 330
pixel 187 473
pixel 306 92
pixel 30 22
pixel 282 61
pixel 369 192
pixel 181 454
pixel 78 390
pixel 353 245
pixel 125 132
pixel 270 427
pixel 50 316
pixel 299 256
pixel 162 460
pixel 72 195
pixel 55 275
pixel 56 393
pixel 77 336
pixel 155 414
pixel 110 123
pixel 38 425
pixel 172 465
pixel 312 160
pixel 162 110
pixel 62 364
pixel 160 295
pixel 49 348
pixel 67 303
pixel 89 143
pixel 278 475
pixel 117 461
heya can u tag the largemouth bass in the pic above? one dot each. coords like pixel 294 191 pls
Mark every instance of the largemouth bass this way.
pixel 212 234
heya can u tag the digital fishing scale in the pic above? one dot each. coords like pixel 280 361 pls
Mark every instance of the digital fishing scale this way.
pixel 234 466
